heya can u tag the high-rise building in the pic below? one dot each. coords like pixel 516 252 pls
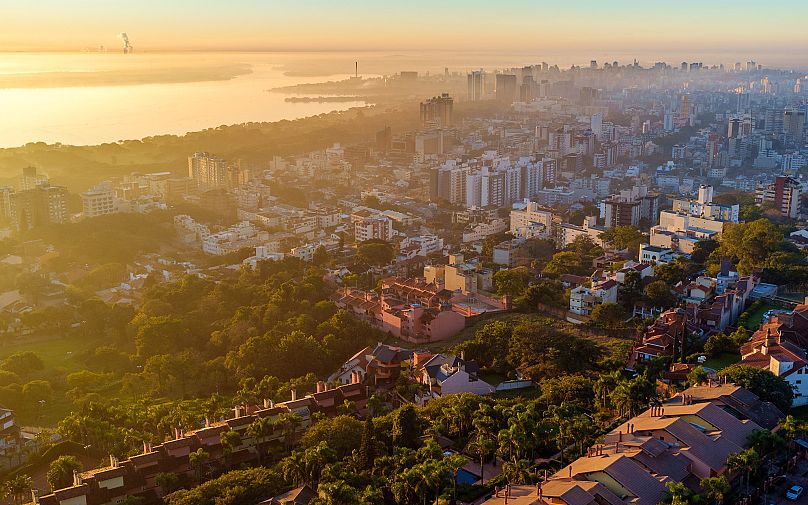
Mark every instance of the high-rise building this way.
pixel 684 106
pixel 208 170
pixel 784 193
pixel 794 125
pixel 437 110
pixel 596 124
pixel 31 179
pixel 733 128
pixel 506 88
pixel 98 201
pixel 631 207
pixel 40 206
pixel 692 220
pixel 476 85
pixel 667 122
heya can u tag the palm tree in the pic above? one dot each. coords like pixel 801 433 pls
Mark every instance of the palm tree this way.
pixel 261 430
pixel 454 462
pixel 765 442
pixel 16 487
pixel 715 488
pixel 517 472
pixel 198 460
pixel 374 405
pixel 230 440
pixel 482 446
pixel 744 461
pixel 289 422
pixel 293 468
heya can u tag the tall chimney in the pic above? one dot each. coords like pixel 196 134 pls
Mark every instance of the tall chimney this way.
pixel 294 394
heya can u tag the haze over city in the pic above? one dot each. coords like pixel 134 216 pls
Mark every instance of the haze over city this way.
pixel 375 253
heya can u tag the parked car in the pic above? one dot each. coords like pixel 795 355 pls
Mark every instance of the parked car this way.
pixel 794 492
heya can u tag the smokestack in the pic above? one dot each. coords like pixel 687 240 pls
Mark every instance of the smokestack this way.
pixel 127 47
pixel 356 64
pixel 294 394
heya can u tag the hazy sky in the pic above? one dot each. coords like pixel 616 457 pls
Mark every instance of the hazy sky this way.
pixel 731 27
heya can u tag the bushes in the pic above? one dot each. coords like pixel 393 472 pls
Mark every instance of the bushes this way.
pixel 233 488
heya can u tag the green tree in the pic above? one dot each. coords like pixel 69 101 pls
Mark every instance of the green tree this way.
pixel 375 253
pixel 715 488
pixel 763 383
pixel 405 430
pixel 321 256
pixel 567 262
pixel 60 472
pixel 623 237
pixel 230 440
pixel 745 461
pixel 547 292
pixel 659 295
pixel 198 460
pixel 512 282
pixel 168 482
pixel 261 430
pixel 22 363
pixel 16 488
pixel 608 315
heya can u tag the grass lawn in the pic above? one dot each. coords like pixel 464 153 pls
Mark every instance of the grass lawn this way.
pixel 722 361
pixel 56 352
pixel 753 322
pixel 60 357
pixel 492 378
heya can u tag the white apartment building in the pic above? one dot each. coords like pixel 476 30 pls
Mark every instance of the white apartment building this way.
pixel 532 222
pixel 238 236
pixel 692 220
pixel 422 245
pixel 376 227
pixel 569 232
pixel 98 201
pixel 481 231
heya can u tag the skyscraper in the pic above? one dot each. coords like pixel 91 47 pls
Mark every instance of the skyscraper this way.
pixel 208 170
pixel 437 110
pixel 794 125
pixel 476 84
pixel 40 206
pixel 506 88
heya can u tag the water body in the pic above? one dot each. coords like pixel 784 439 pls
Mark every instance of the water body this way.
pixel 92 98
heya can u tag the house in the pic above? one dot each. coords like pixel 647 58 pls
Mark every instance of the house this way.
pixel 688 438
pixel 444 375
pixel 302 495
pixel 664 338
pixel 137 475
pixel 356 364
pixel 779 346
pixel 784 359
pixel 655 254
pixel 583 299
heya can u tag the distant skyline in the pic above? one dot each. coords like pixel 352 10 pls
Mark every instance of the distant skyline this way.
pixel 733 29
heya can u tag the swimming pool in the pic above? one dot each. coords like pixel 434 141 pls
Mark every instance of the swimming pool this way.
pixel 466 477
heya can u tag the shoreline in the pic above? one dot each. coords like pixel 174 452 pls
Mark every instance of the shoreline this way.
pixel 104 78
